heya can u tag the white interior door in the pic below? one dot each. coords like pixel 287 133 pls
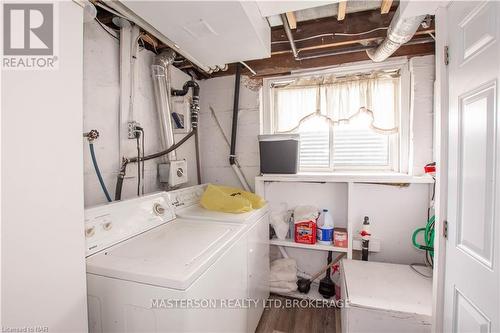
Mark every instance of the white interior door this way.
pixel 472 280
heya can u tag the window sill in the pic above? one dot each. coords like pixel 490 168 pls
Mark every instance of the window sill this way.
pixel 347 177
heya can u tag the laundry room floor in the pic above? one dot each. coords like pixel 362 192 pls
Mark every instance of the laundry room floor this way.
pixel 298 320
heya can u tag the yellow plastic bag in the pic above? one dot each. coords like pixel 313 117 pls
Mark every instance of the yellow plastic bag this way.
pixel 230 199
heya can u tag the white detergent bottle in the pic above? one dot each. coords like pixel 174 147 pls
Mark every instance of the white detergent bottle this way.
pixel 325 228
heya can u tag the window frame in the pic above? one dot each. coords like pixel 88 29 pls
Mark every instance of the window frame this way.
pixel 399 145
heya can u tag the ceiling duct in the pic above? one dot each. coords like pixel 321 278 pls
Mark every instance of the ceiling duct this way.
pixel 400 31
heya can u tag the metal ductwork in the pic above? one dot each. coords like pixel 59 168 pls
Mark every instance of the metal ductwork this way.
pixel 400 31
pixel 289 35
pixel 161 84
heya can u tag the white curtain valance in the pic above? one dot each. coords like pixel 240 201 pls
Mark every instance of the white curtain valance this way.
pixel 340 101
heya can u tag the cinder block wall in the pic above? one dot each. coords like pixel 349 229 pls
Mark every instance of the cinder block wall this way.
pixel 219 93
pixel 101 94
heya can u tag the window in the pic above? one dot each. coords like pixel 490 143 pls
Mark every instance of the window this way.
pixel 345 121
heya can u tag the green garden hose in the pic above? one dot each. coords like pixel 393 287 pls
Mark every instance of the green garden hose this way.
pixel 428 237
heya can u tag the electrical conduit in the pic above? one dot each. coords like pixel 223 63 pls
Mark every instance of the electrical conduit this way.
pixel 234 131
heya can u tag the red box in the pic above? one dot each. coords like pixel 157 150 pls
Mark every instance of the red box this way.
pixel 340 237
pixel 305 232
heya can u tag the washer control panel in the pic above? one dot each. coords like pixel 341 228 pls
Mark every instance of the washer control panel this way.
pixel 186 197
pixel 111 223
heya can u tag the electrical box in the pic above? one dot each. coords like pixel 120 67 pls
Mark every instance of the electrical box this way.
pixel 173 173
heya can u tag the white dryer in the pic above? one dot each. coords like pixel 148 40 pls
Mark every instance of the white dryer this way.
pixel 150 272
pixel 186 203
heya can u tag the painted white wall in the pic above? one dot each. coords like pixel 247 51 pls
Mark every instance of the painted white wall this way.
pixel 43 247
pixel 219 93
pixel 396 212
pixel 422 71
pixel 101 89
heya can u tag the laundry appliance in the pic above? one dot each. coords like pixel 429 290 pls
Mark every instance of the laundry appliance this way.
pixel 186 204
pixel 150 271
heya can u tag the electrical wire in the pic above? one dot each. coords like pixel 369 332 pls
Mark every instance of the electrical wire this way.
pixel 106 29
pixel 331 34
pixel 360 33
pixel 143 149
pixel 412 266
pixel 138 164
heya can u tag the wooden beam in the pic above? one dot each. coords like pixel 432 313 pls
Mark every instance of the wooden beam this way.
pixel 292 20
pixel 385 6
pixel 283 64
pixel 341 11
pixel 350 42
pixel 330 32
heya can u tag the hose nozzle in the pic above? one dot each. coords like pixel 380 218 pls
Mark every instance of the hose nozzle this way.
pixel 92 135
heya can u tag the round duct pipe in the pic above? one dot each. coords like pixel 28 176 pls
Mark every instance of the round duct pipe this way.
pixel 161 85
pixel 400 32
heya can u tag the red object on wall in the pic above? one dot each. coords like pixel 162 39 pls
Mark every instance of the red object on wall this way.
pixel 305 232
pixel 430 168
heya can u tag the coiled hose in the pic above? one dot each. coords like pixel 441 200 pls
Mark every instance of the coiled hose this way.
pixel 98 172
pixel 428 237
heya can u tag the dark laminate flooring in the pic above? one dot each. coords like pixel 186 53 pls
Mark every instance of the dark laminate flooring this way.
pixel 299 320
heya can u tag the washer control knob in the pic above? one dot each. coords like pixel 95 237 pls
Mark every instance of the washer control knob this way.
pixel 158 209
pixel 107 226
pixel 89 232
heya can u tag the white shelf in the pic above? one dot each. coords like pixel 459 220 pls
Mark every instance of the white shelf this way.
pixel 340 177
pixel 313 294
pixel 318 247
pixel 356 245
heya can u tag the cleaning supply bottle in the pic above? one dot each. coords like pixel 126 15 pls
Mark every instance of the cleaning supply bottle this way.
pixel 336 281
pixel 325 228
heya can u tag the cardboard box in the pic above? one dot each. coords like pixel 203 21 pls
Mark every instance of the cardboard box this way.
pixel 340 237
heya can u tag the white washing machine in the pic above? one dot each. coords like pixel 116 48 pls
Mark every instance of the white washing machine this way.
pixel 186 205
pixel 150 272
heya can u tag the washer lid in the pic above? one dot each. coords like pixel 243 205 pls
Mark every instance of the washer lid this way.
pixel 173 255
pixel 388 287
pixel 200 213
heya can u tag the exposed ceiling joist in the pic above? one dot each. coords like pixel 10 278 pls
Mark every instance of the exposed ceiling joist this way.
pixel 292 20
pixel 385 6
pixel 327 30
pixel 284 63
pixel 327 42
pixel 353 41
pixel 342 9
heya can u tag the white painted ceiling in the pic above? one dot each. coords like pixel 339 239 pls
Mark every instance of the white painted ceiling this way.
pixel 270 8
